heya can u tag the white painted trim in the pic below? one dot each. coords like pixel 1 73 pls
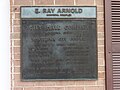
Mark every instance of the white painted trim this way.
pixel 5 82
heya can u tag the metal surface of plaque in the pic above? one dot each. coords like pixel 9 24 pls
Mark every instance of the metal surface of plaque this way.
pixel 63 48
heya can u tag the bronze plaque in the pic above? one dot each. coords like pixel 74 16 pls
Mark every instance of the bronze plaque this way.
pixel 58 49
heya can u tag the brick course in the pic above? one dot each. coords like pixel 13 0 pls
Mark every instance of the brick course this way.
pixel 23 2
pixel 44 2
pixel 85 2
pixel 64 2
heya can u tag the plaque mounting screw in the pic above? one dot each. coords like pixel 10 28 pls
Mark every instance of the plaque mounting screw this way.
pixel 15 9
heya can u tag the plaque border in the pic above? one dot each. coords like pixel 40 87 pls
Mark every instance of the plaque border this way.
pixel 21 44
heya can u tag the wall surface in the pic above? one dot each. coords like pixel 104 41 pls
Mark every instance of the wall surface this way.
pixel 5 45
pixel 17 84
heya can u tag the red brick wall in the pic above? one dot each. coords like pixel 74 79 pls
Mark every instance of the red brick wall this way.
pixel 17 84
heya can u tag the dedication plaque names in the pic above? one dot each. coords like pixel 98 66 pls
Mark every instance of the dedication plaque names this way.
pixel 58 43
